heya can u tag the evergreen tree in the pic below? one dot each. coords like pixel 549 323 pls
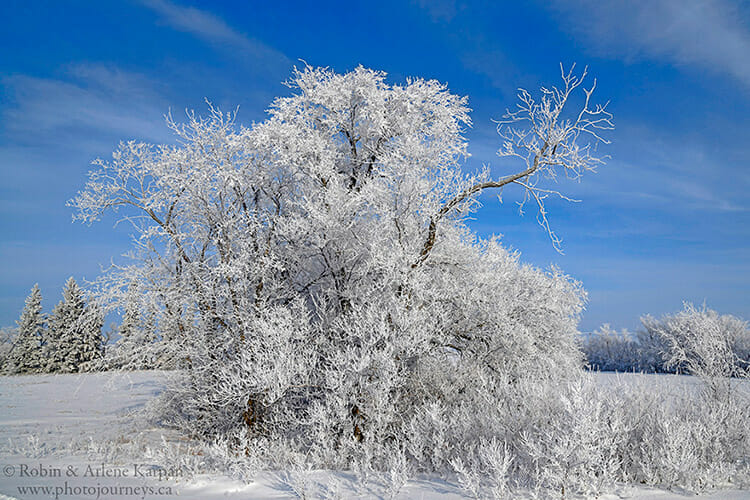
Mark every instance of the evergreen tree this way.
pixel 26 354
pixel 8 335
pixel 65 330
pixel 89 346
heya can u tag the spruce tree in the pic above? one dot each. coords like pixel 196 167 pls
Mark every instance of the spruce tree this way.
pixel 8 337
pixel 89 349
pixel 65 330
pixel 26 355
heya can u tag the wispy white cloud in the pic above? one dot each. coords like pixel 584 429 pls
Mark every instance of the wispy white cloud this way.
pixel 709 34
pixel 214 30
pixel 651 169
pixel 671 169
pixel 87 105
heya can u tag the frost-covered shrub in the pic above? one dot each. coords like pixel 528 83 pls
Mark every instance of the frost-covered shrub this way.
pixel 590 437
pixel 544 435
pixel 563 438
pixel 692 440
pixel 698 439
pixel 353 391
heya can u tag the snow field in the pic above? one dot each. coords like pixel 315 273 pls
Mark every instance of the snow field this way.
pixel 51 425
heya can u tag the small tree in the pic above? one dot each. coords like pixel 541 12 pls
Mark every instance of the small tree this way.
pixel 26 354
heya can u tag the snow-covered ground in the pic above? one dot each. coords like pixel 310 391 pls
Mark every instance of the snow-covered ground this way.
pixel 79 436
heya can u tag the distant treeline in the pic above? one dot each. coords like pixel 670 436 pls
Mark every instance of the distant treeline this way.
pixel 692 330
pixel 71 339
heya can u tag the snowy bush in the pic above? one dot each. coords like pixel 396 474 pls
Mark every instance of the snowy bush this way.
pixel 693 441
pixel 702 440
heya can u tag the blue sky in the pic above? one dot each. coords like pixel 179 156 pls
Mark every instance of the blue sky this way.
pixel 666 220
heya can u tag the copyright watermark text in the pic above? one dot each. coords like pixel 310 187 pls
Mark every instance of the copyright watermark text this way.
pixel 95 481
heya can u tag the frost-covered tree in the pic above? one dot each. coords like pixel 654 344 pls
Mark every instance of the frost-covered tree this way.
pixel 134 349
pixel 704 343
pixel 89 349
pixel 63 333
pixel 8 336
pixel 314 274
pixel 75 338
pixel 26 354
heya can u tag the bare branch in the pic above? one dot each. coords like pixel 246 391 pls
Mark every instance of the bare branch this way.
pixel 548 138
